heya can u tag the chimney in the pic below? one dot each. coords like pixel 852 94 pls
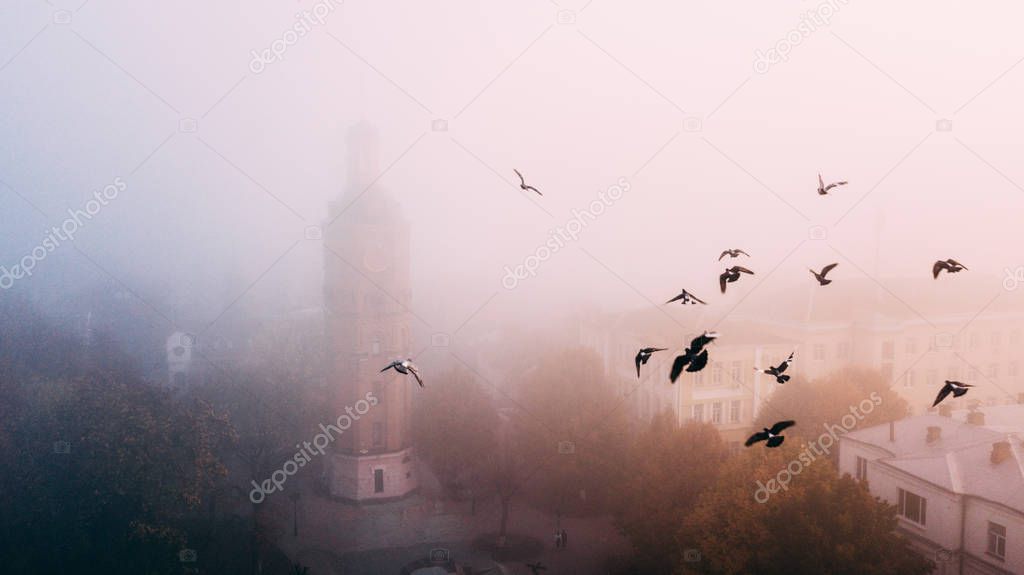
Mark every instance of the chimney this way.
pixel 976 418
pixel 1000 452
pixel 934 433
pixel 945 410
pixel 892 431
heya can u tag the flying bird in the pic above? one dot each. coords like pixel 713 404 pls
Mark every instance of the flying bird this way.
pixel 824 271
pixel 522 183
pixel 687 297
pixel 952 266
pixel 772 436
pixel 405 367
pixel 644 355
pixel 779 369
pixel 823 189
pixel 735 253
pixel 695 357
pixel 732 274
pixel 954 387
pixel 536 568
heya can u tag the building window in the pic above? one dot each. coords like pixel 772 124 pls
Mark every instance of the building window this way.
pixel 913 507
pixel 997 339
pixel 997 540
pixel 1015 336
pixel 819 352
pixel 908 379
pixel 862 468
pixel 974 341
pixel 736 373
pixel 716 374
pixel 734 411
pixel 911 346
pixel 378 433
pixel 993 371
pixel 698 378
pixel 843 350
pixel 698 412
pixel 716 412
pixel 378 480
pixel 887 371
pixel 888 349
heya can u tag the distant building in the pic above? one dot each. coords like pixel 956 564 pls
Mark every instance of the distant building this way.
pixel 727 393
pixel 957 482
pixel 916 333
pixel 367 296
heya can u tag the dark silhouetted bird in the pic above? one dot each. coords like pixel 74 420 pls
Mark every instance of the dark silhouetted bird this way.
pixel 644 355
pixel 687 297
pixel 732 274
pixel 954 387
pixel 823 189
pixel 952 266
pixel 821 276
pixel 777 371
pixel 536 568
pixel 732 254
pixel 405 367
pixel 522 183
pixel 695 357
pixel 770 435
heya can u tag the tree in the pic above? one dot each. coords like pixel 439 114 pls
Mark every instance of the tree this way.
pixel 454 428
pixel 846 399
pixel 670 467
pixel 820 523
pixel 573 430
pixel 101 471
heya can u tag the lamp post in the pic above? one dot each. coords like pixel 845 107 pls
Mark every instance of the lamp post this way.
pixel 294 496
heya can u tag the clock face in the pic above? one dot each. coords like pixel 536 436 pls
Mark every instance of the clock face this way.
pixel 375 259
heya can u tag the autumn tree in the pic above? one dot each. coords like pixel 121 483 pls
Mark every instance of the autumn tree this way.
pixel 820 523
pixel 670 466
pixel 846 399
pixel 573 426
pixel 100 470
pixel 454 429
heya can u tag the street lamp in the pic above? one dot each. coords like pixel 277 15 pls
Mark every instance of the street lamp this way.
pixel 294 496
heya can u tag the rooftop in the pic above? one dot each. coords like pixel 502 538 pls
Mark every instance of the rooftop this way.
pixel 959 456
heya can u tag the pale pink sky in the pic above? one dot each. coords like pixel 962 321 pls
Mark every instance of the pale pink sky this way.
pixel 575 106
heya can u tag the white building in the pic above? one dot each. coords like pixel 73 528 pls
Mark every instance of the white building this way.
pixel 957 482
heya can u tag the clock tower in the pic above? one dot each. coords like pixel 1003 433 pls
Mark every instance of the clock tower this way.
pixel 366 298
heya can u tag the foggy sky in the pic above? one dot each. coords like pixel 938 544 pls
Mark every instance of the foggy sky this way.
pixel 220 214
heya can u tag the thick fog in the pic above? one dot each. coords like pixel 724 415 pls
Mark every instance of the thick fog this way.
pixel 718 145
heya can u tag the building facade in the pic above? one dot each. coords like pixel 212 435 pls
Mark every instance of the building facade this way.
pixel 956 480
pixel 366 300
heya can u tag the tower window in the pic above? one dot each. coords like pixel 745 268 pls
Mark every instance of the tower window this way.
pixel 378 433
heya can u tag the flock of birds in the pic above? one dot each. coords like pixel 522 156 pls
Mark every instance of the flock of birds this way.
pixel 695 357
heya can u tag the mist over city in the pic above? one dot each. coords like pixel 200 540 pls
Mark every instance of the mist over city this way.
pixel 548 287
